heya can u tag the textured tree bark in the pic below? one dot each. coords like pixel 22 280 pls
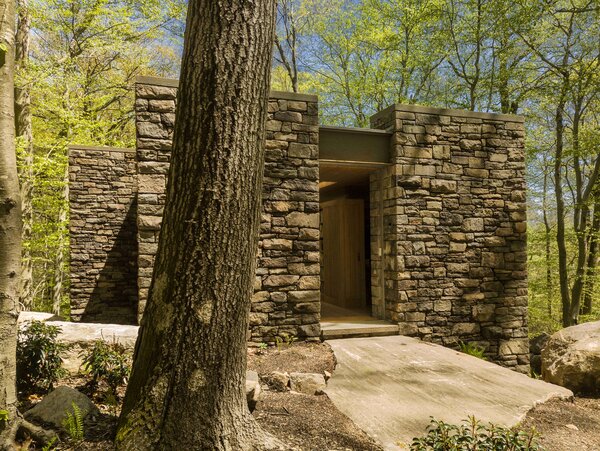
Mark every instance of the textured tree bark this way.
pixel 10 228
pixel 24 133
pixel 187 385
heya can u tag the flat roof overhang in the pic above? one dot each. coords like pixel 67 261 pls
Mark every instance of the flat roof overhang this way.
pixel 348 155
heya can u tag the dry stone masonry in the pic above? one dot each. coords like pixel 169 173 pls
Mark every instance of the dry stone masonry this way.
pixel 447 229
pixel 102 196
pixel 286 299
pixel 453 229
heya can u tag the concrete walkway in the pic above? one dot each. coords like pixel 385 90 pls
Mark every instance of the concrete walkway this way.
pixel 391 386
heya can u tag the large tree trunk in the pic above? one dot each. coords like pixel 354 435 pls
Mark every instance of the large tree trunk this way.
pixel 187 385
pixel 10 227
pixel 24 133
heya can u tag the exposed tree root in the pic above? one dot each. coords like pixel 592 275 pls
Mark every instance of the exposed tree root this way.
pixel 40 435
pixel 20 428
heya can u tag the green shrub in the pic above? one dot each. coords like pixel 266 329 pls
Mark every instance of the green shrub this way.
pixel 473 349
pixel 107 362
pixel 39 364
pixel 472 435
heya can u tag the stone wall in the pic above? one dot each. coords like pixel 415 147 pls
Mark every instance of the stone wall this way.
pixel 448 224
pixel 453 229
pixel 103 243
pixel 286 299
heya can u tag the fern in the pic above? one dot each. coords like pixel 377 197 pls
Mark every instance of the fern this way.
pixel 50 445
pixel 472 349
pixel 73 424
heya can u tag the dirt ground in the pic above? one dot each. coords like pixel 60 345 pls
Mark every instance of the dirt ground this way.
pixel 299 357
pixel 567 426
pixel 310 423
pixel 313 423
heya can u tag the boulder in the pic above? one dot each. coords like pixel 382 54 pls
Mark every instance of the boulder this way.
pixel 277 381
pixel 52 410
pixel 81 336
pixel 38 316
pixel 252 389
pixel 571 358
pixel 307 383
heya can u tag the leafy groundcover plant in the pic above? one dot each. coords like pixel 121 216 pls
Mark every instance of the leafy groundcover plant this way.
pixel 472 435
pixel 108 362
pixel 39 364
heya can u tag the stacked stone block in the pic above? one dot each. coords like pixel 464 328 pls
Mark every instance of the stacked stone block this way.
pixel 103 242
pixel 155 118
pixel 454 229
pixel 286 301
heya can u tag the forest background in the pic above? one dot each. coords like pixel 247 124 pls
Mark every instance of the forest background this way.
pixel 77 61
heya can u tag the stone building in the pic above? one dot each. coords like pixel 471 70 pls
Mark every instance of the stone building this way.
pixel 416 225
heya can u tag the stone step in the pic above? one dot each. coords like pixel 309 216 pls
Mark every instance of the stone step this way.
pixel 338 329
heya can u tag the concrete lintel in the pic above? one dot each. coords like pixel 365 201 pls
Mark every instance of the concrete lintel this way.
pixel 101 149
pixel 449 112
pixel 352 163
pixel 156 81
pixel 354 130
pixel 285 95
pixel 174 83
pixel 354 144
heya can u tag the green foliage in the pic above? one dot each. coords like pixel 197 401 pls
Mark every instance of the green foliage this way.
pixel 284 340
pixel 4 416
pixel 107 362
pixel 474 436
pixel 84 58
pixel 39 364
pixel 73 423
pixel 262 347
pixel 472 349
pixel 50 445
pixel 545 304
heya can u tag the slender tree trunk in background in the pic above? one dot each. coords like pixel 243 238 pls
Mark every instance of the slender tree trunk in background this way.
pixel 583 192
pixel 560 211
pixel 592 263
pixel 580 216
pixel 286 14
pixel 547 236
pixel 10 228
pixel 24 133
pixel 503 86
pixel 186 390
pixel 59 261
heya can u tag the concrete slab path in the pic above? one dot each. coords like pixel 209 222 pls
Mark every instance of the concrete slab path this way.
pixel 391 386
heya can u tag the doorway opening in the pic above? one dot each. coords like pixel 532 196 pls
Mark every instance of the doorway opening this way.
pixel 345 249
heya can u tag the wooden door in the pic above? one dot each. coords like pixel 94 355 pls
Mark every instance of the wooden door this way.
pixel 343 253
